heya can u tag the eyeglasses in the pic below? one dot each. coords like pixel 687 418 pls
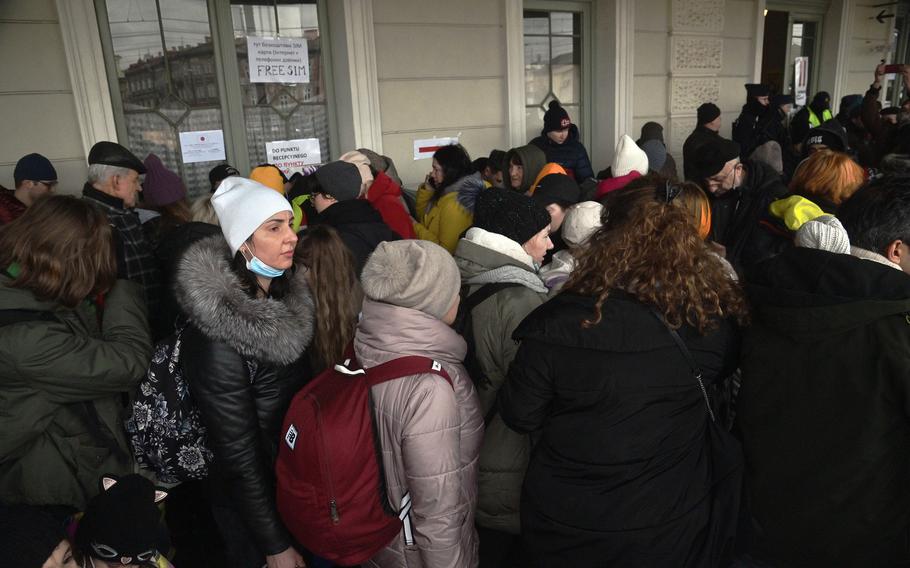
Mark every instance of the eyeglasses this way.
pixel 668 192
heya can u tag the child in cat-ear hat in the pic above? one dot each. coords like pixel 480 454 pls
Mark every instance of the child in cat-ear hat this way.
pixel 120 526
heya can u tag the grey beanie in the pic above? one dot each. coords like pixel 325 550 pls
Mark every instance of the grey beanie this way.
pixel 412 274
pixel 656 152
pixel 823 233
pixel 340 179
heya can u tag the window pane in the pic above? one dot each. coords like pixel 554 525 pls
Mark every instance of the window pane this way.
pixel 565 23
pixel 166 89
pixel 565 66
pixel 537 69
pixel 537 23
pixel 274 111
pixel 533 121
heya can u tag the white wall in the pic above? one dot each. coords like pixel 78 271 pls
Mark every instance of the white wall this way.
pixel 442 71
pixel 37 108
pixel 868 44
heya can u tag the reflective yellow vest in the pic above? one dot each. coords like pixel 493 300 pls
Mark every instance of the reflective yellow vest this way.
pixel 813 119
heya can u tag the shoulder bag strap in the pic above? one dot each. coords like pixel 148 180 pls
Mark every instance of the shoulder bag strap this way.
pixel 690 359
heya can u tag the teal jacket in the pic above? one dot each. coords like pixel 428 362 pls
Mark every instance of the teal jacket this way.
pixel 62 383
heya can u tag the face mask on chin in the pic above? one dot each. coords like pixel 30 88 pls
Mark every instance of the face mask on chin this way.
pixel 256 266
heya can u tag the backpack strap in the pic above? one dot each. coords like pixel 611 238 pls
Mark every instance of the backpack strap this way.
pixel 484 292
pixel 395 369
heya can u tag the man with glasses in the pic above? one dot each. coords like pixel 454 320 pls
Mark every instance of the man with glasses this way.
pixel 740 193
pixel 35 177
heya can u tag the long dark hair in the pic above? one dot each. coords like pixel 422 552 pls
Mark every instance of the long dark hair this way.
pixel 651 249
pixel 455 163
pixel 336 290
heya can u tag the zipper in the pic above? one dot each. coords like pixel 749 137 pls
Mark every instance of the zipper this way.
pixel 333 504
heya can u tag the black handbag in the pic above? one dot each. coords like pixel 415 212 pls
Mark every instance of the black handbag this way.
pixel 726 465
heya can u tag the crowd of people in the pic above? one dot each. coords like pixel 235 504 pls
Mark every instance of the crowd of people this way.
pixel 634 367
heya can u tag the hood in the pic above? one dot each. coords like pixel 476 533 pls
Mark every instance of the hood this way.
pixel 387 331
pixel 533 160
pixel 349 212
pixel 481 251
pixel 805 292
pixel 760 175
pixel 468 188
pixel 382 186
pixel 21 299
pixel 265 329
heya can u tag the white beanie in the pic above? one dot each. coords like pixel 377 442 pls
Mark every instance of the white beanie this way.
pixel 628 158
pixel 242 205
pixel 581 220
pixel 823 233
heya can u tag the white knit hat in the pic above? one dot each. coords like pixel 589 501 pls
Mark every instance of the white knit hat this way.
pixel 242 205
pixel 823 233
pixel 628 158
pixel 581 220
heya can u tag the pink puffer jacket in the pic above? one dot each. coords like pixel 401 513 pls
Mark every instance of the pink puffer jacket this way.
pixel 430 435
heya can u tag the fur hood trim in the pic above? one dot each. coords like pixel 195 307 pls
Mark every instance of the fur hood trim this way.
pixel 263 329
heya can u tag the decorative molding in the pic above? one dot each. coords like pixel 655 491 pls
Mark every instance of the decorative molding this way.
pixel 843 50
pixel 88 77
pixel 515 72
pixel 759 40
pixel 361 46
pixel 696 55
pixel 686 94
pixel 624 94
pixel 698 16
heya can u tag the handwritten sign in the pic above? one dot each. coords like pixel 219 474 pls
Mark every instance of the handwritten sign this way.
pixel 202 146
pixel 425 148
pixel 278 60
pixel 293 155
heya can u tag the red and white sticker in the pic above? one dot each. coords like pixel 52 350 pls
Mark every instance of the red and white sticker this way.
pixel 426 147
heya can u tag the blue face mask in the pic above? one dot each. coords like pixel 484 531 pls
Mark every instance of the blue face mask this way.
pixel 256 266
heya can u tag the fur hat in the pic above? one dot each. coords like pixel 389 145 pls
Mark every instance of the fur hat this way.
pixel 707 112
pixel 628 158
pixel 242 205
pixel 823 233
pixel 414 274
pixel 510 214
pixel 582 219
pixel 340 179
pixel 120 524
pixel 556 118
pixel 161 186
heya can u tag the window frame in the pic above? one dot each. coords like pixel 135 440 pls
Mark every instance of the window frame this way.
pixel 227 79
pixel 584 122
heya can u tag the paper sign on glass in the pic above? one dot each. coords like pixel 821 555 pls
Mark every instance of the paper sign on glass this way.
pixel 800 80
pixel 202 146
pixel 278 60
pixel 427 147
pixel 293 155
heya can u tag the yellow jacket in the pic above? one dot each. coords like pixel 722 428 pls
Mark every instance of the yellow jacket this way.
pixel 448 218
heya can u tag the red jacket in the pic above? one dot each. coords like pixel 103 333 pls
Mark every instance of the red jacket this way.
pixel 10 207
pixel 385 196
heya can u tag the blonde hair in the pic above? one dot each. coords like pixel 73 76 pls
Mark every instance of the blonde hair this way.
pixel 203 211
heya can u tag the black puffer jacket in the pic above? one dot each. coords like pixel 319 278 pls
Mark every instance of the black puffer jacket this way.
pixel 620 475
pixel 571 154
pixel 242 360
pixel 359 225
pixel 824 411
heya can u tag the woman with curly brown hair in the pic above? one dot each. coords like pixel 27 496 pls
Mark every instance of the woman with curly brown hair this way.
pixel 621 474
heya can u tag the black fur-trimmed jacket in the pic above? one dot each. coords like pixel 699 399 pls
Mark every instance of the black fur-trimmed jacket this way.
pixel 243 359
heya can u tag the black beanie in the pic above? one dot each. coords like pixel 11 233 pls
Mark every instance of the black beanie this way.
pixel 707 112
pixel 556 118
pixel 713 155
pixel 124 517
pixel 557 188
pixel 509 213
pixel 30 535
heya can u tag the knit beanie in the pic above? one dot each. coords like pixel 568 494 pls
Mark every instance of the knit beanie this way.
pixel 161 186
pixel 757 90
pixel 707 112
pixel 242 205
pixel 557 188
pixel 414 274
pixel 509 213
pixel 34 167
pixel 269 176
pixel 340 179
pixel 582 219
pixel 651 131
pixel 628 158
pixel 363 165
pixel 556 118
pixel 823 233
pixel 30 535
pixel 713 156
pixel 656 152
pixel 825 134
pixel 123 517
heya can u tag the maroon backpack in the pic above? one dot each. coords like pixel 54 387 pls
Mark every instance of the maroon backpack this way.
pixel 331 491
